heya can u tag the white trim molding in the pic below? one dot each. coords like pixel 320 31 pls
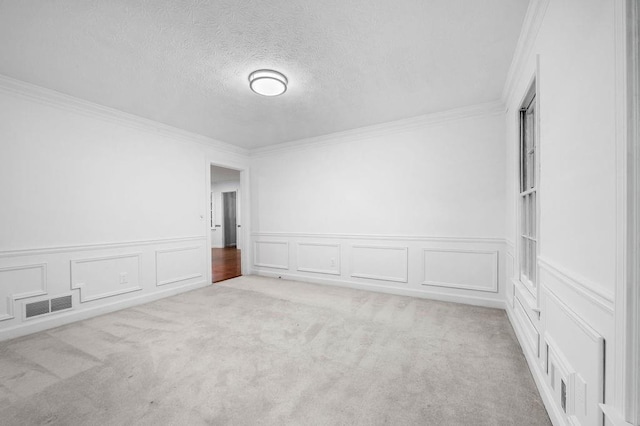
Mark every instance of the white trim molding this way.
pixel 597 385
pixel 335 271
pixel 182 277
pixel 73 315
pixel 535 368
pixel 270 265
pixel 531 333
pixel 81 286
pixel 97 246
pixel 494 270
pixel 596 294
pixel 532 22
pixel 475 300
pixel 400 279
pixel 576 318
pixel 613 416
pixel 389 262
pixel 12 298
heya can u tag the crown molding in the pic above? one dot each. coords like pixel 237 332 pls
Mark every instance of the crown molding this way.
pixel 526 41
pixel 65 102
pixel 384 129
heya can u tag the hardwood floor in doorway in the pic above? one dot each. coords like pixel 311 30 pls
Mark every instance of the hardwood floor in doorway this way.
pixel 225 263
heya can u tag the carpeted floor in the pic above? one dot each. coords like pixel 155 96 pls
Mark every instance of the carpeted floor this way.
pixel 255 350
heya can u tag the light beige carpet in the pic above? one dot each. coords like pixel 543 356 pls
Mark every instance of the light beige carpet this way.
pixel 255 350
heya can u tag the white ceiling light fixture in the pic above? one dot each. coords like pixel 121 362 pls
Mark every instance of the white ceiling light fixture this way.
pixel 268 82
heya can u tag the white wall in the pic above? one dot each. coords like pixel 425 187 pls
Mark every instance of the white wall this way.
pixel 409 207
pixel 217 234
pixel 89 194
pixel 573 57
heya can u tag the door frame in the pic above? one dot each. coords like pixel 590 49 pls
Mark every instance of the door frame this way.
pixel 628 309
pixel 626 398
pixel 244 219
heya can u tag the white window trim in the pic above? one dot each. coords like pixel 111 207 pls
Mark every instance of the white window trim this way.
pixel 532 287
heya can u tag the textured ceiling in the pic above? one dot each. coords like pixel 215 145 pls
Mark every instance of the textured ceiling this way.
pixel 185 63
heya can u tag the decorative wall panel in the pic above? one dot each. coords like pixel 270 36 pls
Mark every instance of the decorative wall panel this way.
pixel 321 258
pixel 384 263
pixel 20 282
pixel 179 264
pixel 107 276
pixel 464 269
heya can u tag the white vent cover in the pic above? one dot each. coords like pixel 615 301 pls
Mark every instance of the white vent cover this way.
pixel 42 307
pixel 61 303
pixel 36 308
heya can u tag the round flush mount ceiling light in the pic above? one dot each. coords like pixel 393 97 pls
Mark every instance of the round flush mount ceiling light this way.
pixel 268 82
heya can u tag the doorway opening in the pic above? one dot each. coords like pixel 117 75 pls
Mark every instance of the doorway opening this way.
pixel 225 221
pixel 230 220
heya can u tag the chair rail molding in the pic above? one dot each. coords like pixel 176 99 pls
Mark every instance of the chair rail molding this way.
pixel 96 246
pixel 586 288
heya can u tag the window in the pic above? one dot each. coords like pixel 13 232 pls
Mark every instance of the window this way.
pixel 528 191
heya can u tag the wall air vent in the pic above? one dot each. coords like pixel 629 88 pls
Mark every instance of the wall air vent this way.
pixel 61 303
pixel 48 306
pixel 36 308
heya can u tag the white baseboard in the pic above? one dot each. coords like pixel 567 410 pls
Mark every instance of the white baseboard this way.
pixel 73 316
pixel 534 367
pixel 423 294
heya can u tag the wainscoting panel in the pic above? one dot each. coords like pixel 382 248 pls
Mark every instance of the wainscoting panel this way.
pixel 480 271
pixel 465 268
pixel 386 263
pixel 510 267
pixel 20 282
pixel 321 258
pixel 271 254
pixel 531 334
pixel 574 330
pixel 581 295
pixel 101 277
pixel 179 264
pixel 578 361
pixel 81 281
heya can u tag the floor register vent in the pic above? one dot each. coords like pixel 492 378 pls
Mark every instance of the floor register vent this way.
pixel 48 306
